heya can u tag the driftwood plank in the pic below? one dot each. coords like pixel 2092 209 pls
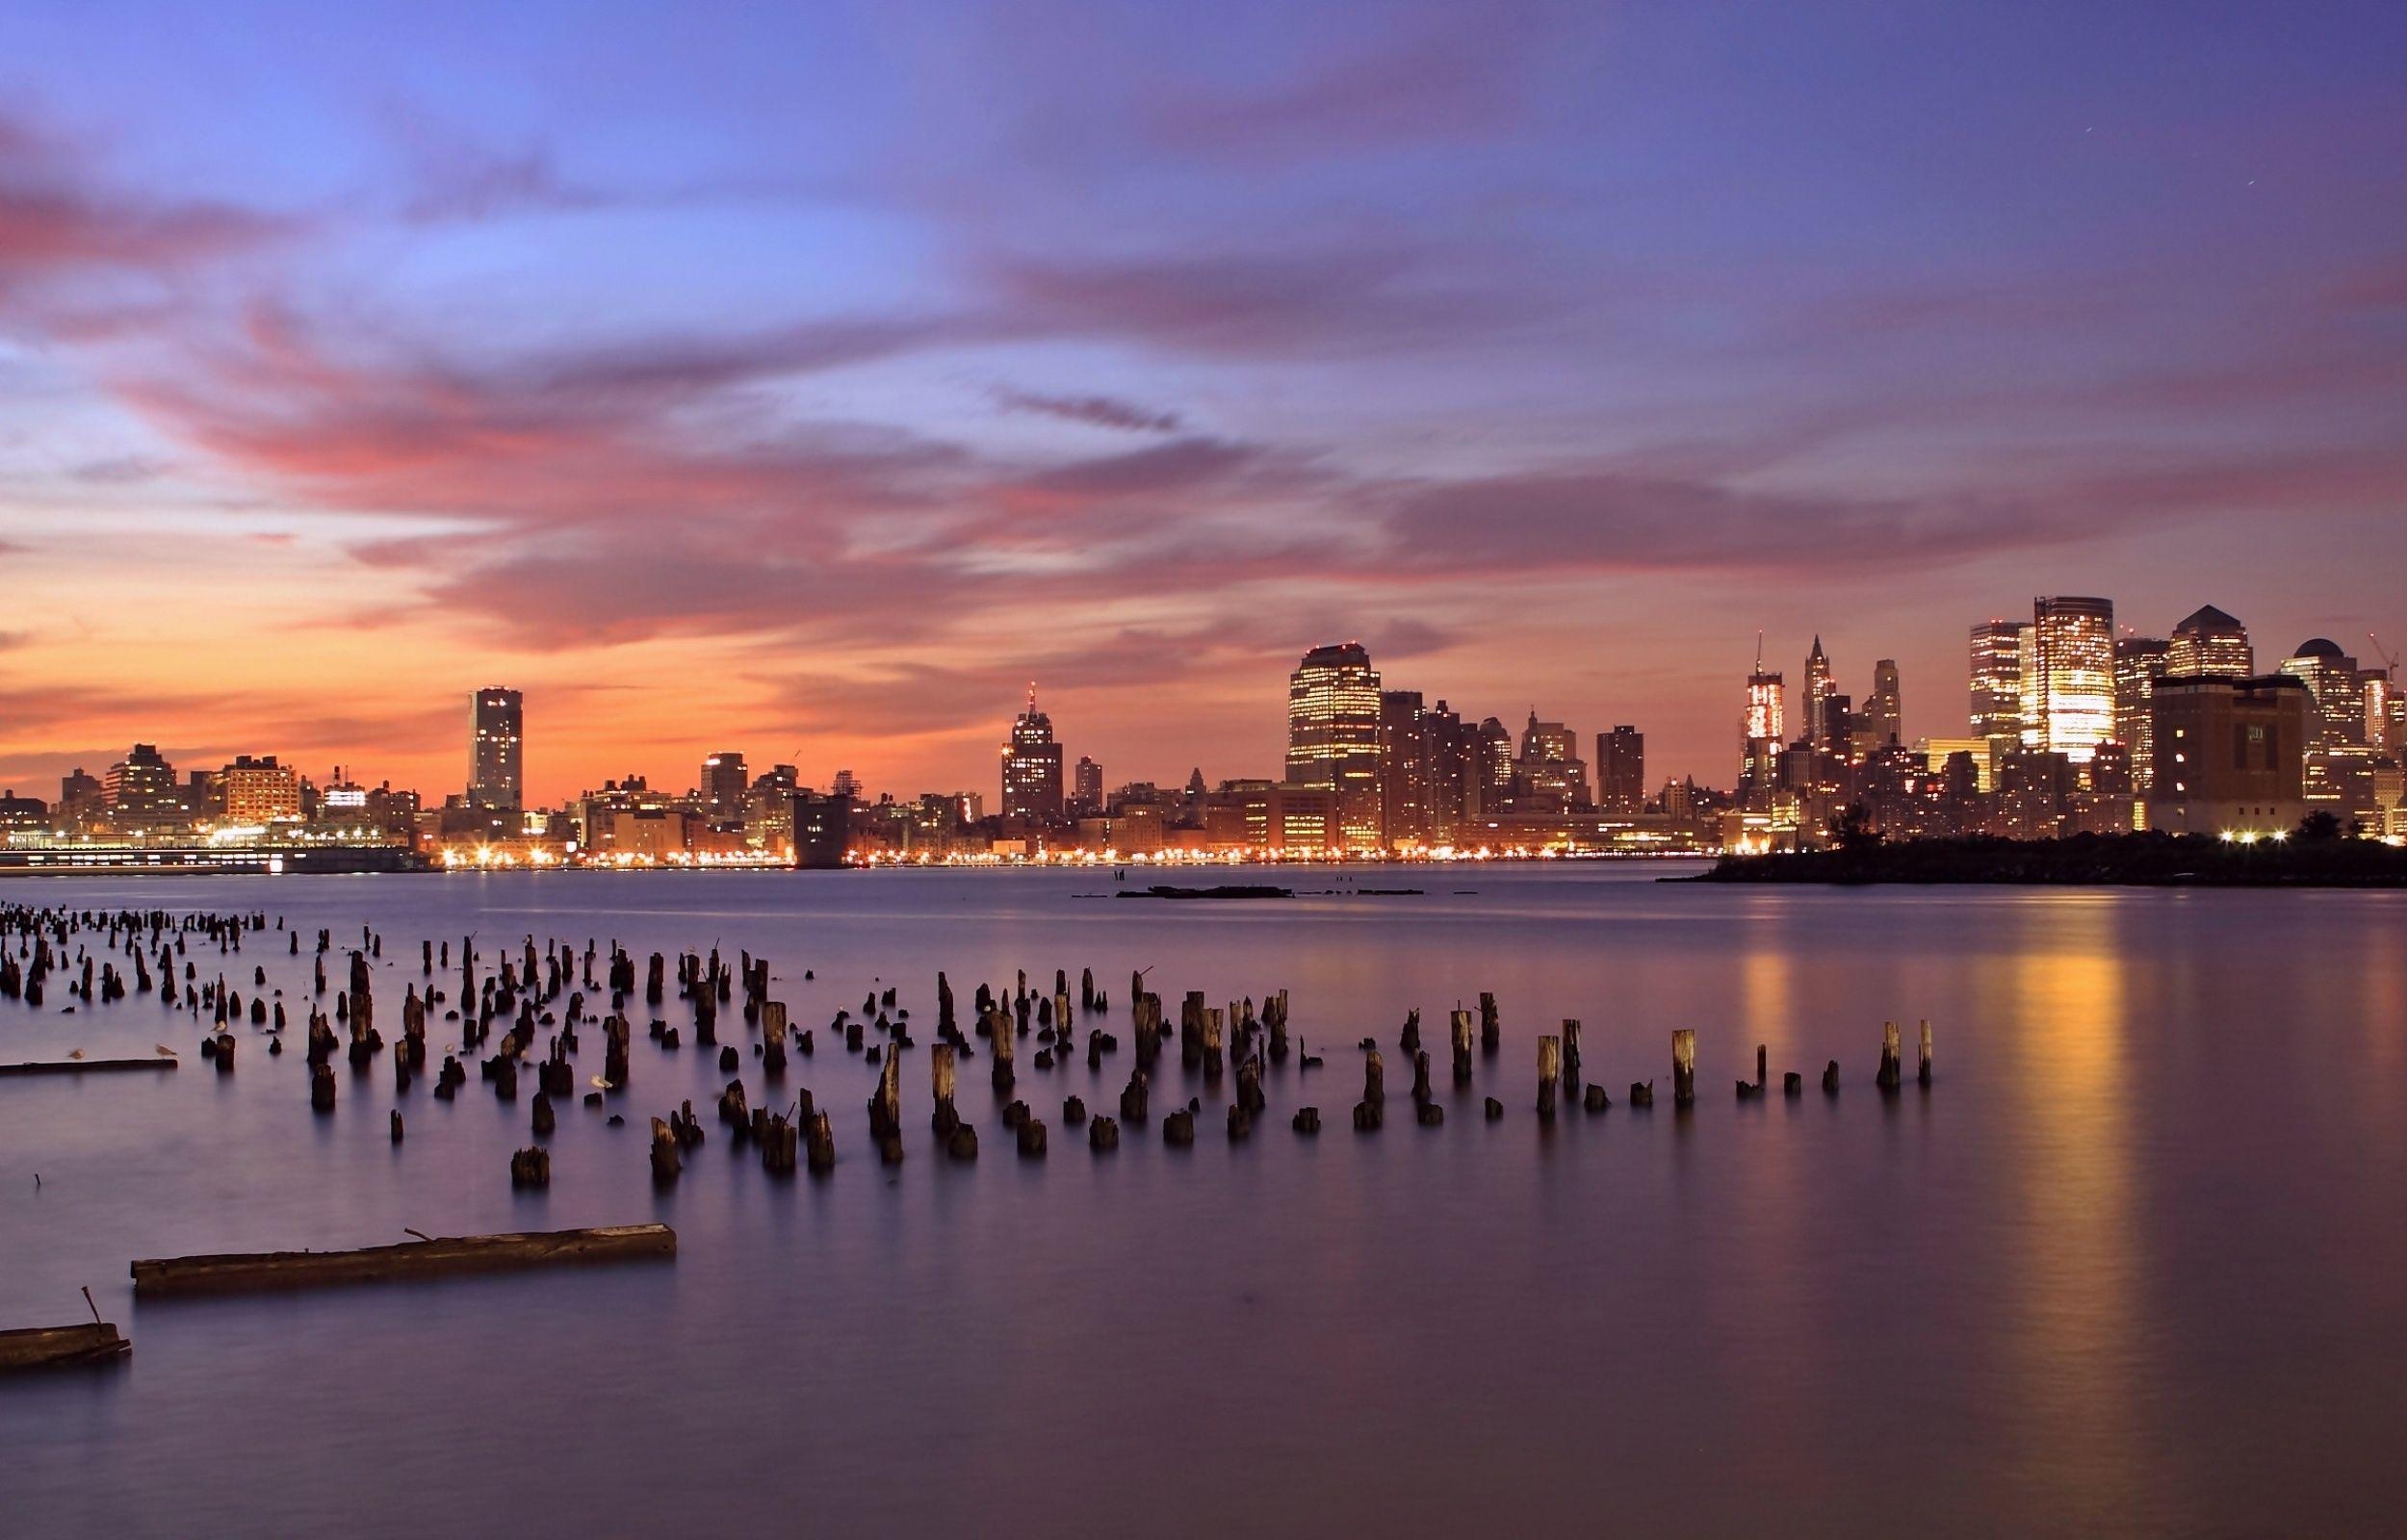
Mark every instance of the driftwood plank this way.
pixel 247 1271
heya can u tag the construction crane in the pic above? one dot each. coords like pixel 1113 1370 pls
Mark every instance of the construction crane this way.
pixel 2389 658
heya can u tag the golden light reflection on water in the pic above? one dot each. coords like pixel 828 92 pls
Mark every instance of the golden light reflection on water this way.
pixel 2073 1298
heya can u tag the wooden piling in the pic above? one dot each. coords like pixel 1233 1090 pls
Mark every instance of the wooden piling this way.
pixel 1549 1072
pixel 1683 1067
pixel 1921 1056
pixel 1891 1073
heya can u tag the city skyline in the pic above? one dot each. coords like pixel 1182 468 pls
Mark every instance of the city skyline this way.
pixel 821 417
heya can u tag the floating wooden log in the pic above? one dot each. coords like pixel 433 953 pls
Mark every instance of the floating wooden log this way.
pixel 79 1346
pixel 85 1066
pixel 253 1272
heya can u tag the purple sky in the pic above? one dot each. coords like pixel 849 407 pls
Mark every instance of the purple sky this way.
pixel 806 382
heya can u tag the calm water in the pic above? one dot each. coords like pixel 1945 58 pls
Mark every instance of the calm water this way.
pixel 2137 1264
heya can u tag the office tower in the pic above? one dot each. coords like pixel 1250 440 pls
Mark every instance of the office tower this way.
pixel 1086 787
pixel 1884 711
pixel 1333 736
pixel 1997 681
pixel 1032 767
pixel 496 750
pixel 1404 768
pixel 2332 676
pixel 823 825
pixel 1819 688
pixel 1491 766
pixel 1621 771
pixel 2068 677
pixel 725 782
pixel 1763 733
pixel 1452 778
pixel 1549 774
pixel 141 790
pixel 2209 642
pixel 2383 716
pixel 2137 662
pixel 845 784
pixel 2230 754
pixel 259 791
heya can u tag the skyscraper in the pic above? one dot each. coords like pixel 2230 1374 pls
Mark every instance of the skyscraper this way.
pixel 1086 786
pixel 1404 767
pixel 1763 733
pixel 1333 736
pixel 2068 677
pixel 2137 662
pixel 1622 770
pixel 724 784
pixel 1884 711
pixel 1819 688
pixel 2332 676
pixel 1549 774
pixel 1997 680
pixel 2209 641
pixel 497 773
pixel 1451 778
pixel 1032 767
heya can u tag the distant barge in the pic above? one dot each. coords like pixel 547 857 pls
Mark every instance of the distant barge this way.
pixel 1225 890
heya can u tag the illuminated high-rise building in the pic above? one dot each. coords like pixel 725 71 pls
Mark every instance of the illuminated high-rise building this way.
pixel 2209 641
pixel 141 790
pixel 2068 677
pixel 1333 736
pixel 1451 783
pixel 725 784
pixel 1404 762
pixel 1032 767
pixel 2138 661
pixel 497 766
pixel 258 791
pixel 2332 676
pixel 1813 704
pixel 1622 770
pixel 1763 733
pixel 1997 680
pixel 1549 773
pixel 1086 787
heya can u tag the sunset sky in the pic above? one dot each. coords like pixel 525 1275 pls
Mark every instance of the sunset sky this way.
pixel 807 379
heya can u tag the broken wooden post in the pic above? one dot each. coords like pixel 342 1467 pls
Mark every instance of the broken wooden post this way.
pixel 321 1088
pixel 1683 1067
pixel 1922 1057
pixel 1101 1135
pixel 1571 1059
pixel 1132 1098
pixel 532 1167
pixel 819 1144
pixel 1891 1072
pixel 1549 1072
pixel 944 1119
pixel 998 1029
pixel 1459 1031
pixel 666 1159
pixel 1490 1032
pixel 1830 1078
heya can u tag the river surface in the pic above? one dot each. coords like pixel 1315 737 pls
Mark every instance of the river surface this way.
pixel 2135 1263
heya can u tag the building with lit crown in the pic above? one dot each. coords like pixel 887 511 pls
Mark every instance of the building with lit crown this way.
pixel 1332 737
pixel 1032 767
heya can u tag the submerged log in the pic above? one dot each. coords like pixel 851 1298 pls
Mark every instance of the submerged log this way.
pixel 246 1272
pixel 77 1347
